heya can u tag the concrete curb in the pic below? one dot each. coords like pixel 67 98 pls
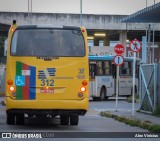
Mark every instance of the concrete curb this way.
pixel 133 121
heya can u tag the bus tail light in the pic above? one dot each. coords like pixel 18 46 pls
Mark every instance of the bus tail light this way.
pixel 83 30
pixel 83 89
pixel 12 88
pixel 84 83
pixel 10 82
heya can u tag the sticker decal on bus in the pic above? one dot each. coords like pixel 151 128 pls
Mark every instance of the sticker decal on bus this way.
pixel 47 58
pixel 46 73
pixel 81 72
pixel 25 72
pixel 47 82
pixel 20 80
pixel 25 83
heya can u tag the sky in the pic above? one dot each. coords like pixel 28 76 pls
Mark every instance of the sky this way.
pixel 117 7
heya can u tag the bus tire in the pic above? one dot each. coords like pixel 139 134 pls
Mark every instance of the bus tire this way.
pixel 20 119
pixel 10 119
pixel 64 119
pixel 102 94
pixel 74 120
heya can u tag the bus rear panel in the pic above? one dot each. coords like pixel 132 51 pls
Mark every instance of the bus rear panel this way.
pixel 47 73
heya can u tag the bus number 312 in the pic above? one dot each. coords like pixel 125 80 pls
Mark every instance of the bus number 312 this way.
pixel 46 82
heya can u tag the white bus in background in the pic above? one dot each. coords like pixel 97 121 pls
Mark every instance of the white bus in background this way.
pixel 103 77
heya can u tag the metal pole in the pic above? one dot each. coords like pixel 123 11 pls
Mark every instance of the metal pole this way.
pixel 146 3
pixel 155 87
pixel 81 12
pixel 133 87
pixel 153 48
pixel 149 47
pixel 140 86
pixel 31 11
pixel 28 13
pixel 117 87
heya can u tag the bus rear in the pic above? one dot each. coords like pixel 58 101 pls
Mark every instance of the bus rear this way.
pixel 47 73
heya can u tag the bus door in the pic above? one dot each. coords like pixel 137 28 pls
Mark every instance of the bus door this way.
pixel 92 74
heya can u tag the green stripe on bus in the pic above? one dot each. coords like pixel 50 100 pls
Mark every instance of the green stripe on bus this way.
pixel 18 68
pixel 18 88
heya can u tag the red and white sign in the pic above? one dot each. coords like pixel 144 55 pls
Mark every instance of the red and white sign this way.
pixel 118 60
pixel 119 48
pixel 135 45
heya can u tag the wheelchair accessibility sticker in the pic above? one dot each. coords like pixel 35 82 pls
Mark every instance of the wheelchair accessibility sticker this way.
pixel 20 80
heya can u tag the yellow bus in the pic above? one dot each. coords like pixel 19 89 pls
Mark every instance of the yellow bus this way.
pixel 46 73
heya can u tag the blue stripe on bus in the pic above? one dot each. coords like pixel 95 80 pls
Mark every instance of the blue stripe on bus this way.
pixel 51 73
pixel 41 72
pixel 41 75
pixel 32 84
pixel 50 68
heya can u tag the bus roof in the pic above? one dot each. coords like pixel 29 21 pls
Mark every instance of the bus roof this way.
pixel 47 26
pixel 110 57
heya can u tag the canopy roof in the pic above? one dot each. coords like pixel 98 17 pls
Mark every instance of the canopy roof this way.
pixel 147 15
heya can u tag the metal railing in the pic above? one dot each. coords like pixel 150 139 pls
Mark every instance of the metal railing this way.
pixel 148 88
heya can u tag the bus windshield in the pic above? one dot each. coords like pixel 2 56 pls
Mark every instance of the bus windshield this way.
pixel 47 43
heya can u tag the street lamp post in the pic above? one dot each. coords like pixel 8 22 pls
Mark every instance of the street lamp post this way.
pixel 146 3
pixel 30 11
pixel 81 12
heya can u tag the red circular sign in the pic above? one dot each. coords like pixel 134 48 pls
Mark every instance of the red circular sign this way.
pixel 119 48
pixel 118 60
pixel 135 45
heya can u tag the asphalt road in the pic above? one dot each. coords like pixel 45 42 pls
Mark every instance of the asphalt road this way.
pixel 91 122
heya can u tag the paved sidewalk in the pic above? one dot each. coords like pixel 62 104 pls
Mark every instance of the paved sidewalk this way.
pixel 137 115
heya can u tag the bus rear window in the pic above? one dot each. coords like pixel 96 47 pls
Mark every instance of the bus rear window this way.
pixel 47 43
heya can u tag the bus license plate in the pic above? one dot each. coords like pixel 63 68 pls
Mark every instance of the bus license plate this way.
pixel 47 90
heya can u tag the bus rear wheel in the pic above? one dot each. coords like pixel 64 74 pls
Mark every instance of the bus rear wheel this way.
pixel 74 119
pixel 64 119
pixel 20 119
pixel 10 119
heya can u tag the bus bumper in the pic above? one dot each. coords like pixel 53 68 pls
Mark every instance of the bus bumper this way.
pixel 53 107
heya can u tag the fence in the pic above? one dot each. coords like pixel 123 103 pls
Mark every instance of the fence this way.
pixel 150 88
